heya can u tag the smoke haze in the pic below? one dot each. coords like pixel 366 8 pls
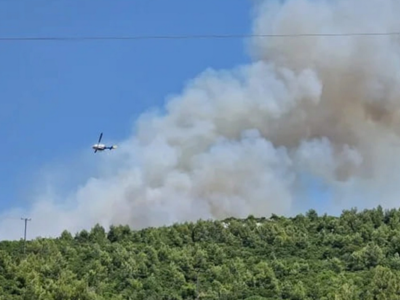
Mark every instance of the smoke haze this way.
pixel 239 142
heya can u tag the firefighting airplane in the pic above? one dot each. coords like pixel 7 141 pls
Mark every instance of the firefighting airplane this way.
pixel 102 147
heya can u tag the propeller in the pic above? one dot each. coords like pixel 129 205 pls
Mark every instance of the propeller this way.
pixel 101 135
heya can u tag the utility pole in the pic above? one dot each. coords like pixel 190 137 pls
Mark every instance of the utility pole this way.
pixel 197 287
pixel 26 224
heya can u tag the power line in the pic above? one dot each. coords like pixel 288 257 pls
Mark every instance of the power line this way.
pixel 210 36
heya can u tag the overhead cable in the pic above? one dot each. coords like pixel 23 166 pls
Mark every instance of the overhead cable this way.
pixel 205 36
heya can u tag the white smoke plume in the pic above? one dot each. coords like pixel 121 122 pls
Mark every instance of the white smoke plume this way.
pixel 237 142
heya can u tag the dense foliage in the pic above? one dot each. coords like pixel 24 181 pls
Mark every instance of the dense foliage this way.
pixel 354 256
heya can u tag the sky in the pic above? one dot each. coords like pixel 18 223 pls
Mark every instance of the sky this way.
pixel 267 125
pixel 57 96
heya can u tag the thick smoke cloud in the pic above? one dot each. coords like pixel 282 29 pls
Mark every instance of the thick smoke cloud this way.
pixel 239 142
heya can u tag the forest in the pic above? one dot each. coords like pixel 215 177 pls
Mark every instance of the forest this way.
pixel 309 256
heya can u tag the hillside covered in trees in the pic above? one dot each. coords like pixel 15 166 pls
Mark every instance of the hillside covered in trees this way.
pixel 354 256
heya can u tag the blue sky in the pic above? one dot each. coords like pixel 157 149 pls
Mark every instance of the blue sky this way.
pixel 56 96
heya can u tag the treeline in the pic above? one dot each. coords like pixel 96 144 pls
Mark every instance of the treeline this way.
pixel 354 256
